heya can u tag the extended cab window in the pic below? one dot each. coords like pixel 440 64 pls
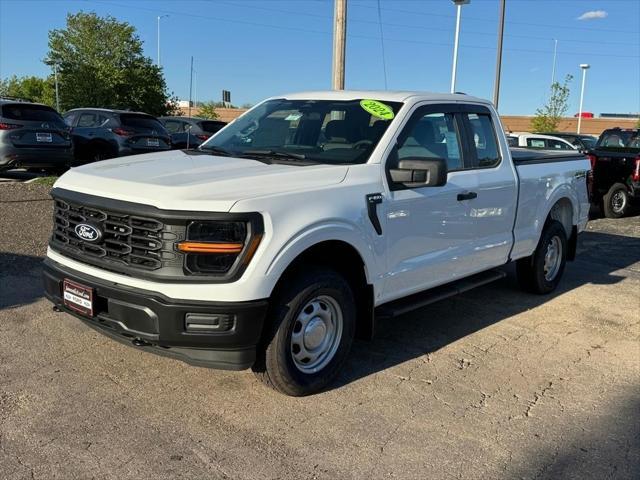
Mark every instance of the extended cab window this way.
pixel 535 143
pixel 484 140
pixel 432 135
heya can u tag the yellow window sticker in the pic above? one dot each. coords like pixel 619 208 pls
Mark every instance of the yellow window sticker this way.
pixel 377 109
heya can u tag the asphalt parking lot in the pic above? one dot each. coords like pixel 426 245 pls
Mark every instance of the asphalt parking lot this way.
pixel 493 384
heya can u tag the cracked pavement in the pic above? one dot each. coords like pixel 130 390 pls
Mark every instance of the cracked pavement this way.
pixel 492 384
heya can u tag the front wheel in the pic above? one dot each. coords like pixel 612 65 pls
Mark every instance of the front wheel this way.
pixel 616 201
pixel 542 271
pixel 309 333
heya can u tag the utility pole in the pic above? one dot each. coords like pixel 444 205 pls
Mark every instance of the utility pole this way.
pixel 339 43
pixel 496 86
pixel 190 85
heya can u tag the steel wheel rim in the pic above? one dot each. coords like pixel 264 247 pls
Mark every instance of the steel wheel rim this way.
pixel 618 201
pixel 552 258
pixel 316 334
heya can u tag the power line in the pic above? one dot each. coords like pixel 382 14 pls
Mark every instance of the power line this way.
pixel 430 14
pixel 583 54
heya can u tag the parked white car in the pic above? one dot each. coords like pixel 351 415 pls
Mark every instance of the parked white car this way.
pixel 288 232
pixel 536 140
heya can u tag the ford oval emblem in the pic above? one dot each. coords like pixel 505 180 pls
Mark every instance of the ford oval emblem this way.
pixel 87 232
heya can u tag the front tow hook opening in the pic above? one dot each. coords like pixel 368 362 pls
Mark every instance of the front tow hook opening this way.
pixel 138 342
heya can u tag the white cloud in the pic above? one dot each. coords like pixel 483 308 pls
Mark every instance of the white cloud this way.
pixel 593 15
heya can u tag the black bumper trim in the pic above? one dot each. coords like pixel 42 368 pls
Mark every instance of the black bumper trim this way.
pixel 154 322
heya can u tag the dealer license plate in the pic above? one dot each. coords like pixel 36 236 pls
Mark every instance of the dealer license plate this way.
pixel 78 297
pixel 44 137
pixel 153 142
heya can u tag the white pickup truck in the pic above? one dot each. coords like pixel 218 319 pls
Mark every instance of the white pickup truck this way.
pixel 288 232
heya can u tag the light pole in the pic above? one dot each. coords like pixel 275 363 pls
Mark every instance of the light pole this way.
pixel 584 67
pixel 55 76
pixel 458 4
pixel 555 56
pixel 496 85
pixel 159 17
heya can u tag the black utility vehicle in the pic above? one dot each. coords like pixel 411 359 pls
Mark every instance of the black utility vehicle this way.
pixel 190 132
pixel 581 141
pixel 100 133
pixel 33 136
pixel 615 161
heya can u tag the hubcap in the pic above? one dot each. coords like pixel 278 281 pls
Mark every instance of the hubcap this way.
pixel 316 335
pixel 618 201
pixel 552 259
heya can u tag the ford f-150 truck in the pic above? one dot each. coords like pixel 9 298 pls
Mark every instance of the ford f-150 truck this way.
pixel 287 233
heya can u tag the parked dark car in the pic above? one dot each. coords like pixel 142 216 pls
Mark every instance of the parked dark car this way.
pixel 581 141
pixel 101 133
pixel 615 161
pixel 33 136
pixel 190 132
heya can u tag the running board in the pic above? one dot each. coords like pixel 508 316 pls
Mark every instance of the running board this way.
pixel 422 299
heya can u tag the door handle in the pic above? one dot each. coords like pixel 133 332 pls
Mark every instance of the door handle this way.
pixel 467 196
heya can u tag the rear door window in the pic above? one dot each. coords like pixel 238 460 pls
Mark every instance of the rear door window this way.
pixel 88 120
pixel 141 122
pixel 483 140
pixel 211 127
pixel 33 113
pixel 558 145
pixel 535 143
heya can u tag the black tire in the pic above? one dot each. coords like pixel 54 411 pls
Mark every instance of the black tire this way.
pixel 616 201
pixel 531 271
pixel 275 364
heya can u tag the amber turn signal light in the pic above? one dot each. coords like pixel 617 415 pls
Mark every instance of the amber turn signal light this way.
pixel 207 247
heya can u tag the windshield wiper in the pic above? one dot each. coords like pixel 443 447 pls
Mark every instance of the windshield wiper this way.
pixel 216 150
pixel 272 154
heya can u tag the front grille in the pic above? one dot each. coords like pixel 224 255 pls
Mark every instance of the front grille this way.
pixel 127 240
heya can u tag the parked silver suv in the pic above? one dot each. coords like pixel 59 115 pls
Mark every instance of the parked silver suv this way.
pixel 33 136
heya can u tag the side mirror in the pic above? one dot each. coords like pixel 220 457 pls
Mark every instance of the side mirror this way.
pixel 416 172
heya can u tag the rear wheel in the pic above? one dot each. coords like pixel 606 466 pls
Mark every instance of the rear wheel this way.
pixel 616 201
pixel 309 335
pixel 542 271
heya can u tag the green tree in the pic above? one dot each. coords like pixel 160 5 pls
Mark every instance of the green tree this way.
pixel 207 110
pixel 36 89
pixel 101 64
pixel 548 117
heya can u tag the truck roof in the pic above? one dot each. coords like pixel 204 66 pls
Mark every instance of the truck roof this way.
pixel 388 95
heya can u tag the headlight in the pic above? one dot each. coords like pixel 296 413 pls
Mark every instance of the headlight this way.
pixel 220 247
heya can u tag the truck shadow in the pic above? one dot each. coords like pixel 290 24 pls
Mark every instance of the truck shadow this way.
pixel 20 281
pixel 431 328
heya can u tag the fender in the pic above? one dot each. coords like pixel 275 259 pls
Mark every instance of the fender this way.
pixel 327 230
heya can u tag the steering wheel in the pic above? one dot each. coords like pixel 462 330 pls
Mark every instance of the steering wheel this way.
pixel 362 144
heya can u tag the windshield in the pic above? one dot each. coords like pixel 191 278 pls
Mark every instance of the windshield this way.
pixel 613 139
pixel 33 113
pixel 324 131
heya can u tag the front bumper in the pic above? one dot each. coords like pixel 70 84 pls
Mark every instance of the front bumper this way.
pixel 156 323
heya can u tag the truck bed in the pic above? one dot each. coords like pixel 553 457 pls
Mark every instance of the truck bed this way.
pixel 528 156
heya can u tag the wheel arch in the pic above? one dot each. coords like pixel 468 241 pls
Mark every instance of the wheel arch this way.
pixel 564 210
pixel 347 260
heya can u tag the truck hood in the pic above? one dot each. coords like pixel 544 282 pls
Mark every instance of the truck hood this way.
pixel 175 180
